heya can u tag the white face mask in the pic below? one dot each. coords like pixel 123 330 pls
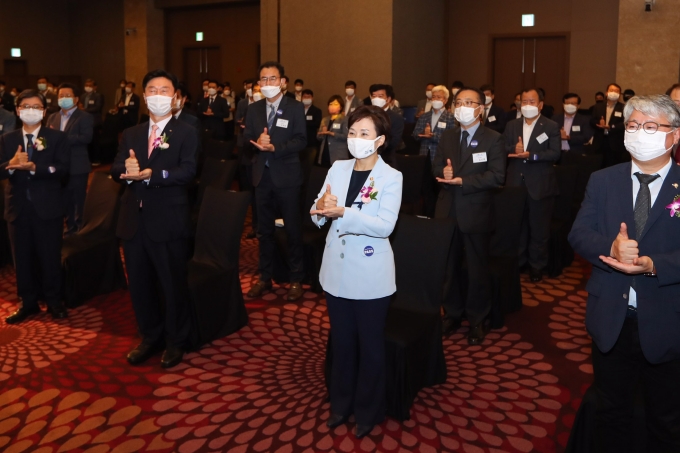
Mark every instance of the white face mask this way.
pixel 643 146
pixel 159 105
pixel 42 86
pixel 613 96
pixel 31 116
pixel 88 89
pixel 249 92
pixel 349 91
pixel 307 101
pixel 298 88
pixel 465 115
pixel 437 104
pixel 428 94
pixel 270 91
pixel 378 102
pixel 570 109
pixel 257 96
pixel 128 90
pixel 529 111
pixel 212 91
pixel 361 148
pixel 488 100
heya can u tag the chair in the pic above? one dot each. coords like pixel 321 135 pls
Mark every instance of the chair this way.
pixel 218 149
pixel 90 259
pixel 412 168
pixel 6 254
pixel 506 289
pixel 214 286
pixel 560 253
pixel 217 173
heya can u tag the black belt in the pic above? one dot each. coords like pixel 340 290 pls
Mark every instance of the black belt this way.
pixel 631 312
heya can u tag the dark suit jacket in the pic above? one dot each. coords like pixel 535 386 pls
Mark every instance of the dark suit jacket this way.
pixel 548 111
pixel 8 121
pixel 608 203
pixel 537 170
pixel 93 103
pixel 616 128
pixel 165 202
pixel 51 165
pixel 471 205
pixel 220 109
pixel 131 111
pixel 500 118
pixel 577 138
pixel 7 102
pixel 79 131
pixel 313 121
pixel 284 162
pixel 52 103
pixel 397 129
pixel 194 122
pixel 290 94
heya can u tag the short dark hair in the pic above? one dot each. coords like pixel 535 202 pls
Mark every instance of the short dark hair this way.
pixel 285 77
pixel 615 85
pixel 124 81
pixel 300 81
pixel 457 84
pixel 340 100
pixel 540 92
pixel 30 93
pixel 352 83
pixel 628 92
pixel 182 88
pixel 487 87
pixel 43 77
pixel 270 64
pixel 160 73
pixel 380 120
pixel 227 84
pixel 389 91
pixel 571 95
pixel 599 93
pixel 134 85
pixel 674 87
pixel 206 80
pixel 307 91
pixel 213 81
pixel 480 94
pixel 431 83
pixel 91 81
pixel 72 86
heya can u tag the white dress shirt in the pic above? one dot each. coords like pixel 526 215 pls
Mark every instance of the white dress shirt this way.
pixel 568 121
pixel 527 129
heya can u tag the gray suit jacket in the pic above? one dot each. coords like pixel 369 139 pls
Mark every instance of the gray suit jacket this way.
pixel 93 103
pixel 337 143
pixel 79 131
pixel 356 102
pixel 8 122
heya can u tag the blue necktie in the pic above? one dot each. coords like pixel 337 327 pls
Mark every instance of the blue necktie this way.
pixel 29 146
pixel 270 119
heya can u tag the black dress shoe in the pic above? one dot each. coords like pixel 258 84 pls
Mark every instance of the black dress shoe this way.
pixel 259 288
pixel 535 276
pixel 477 334
pixel 143 352
pixel 364 430
pixel 450 325
pixel 21 314
pixel 171 357
pixel 294 292
pixel 58 312
pixel 336 420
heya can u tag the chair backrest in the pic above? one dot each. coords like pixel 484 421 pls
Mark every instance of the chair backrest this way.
pixel 421 247
pixel 219 149
pixel 220 224
pixel 317 176
pixel 101 205
pixel 508 212
pixel 216 173
pixel 412 168
pixel 566 181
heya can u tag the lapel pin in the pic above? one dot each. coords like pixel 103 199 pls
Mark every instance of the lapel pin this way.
pixel 675 184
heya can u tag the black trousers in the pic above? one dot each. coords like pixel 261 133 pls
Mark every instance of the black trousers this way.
pixel 36 244
pixel 272 201
pixel 535 234
pixel 246 185
pixel 477 304
pixel 157 278
pixel 617 373
pixel 358 373
pixel 430 190
pixel 75 193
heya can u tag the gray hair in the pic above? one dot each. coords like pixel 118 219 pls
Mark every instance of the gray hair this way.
pixel 443 89
pixel 656 106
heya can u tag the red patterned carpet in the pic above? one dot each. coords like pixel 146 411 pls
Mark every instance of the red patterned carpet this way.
pixel 65 386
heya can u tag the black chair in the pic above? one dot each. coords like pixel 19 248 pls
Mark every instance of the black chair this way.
pixel 218 149
pixel 506 289
pixel 214 285
pixel 560 253
pixel 6 255
pixel 218 174
pixel 90 259
pixel 412 168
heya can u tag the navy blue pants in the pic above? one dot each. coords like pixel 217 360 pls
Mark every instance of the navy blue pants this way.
pixel 358 347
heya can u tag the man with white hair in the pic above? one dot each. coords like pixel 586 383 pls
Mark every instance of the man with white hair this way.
pixel 628 229
pixel 428 131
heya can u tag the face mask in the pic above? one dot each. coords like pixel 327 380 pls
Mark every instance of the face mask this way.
pixel 378 102
pixel 227 92
pixel 437 104
pixel 570 109
pixel 30 116
pixel 349 91
pixel 361 148
pixel 88 89
pixel 428 94
pixel 257 96
pixel 529 111
pixel 159 105
pixel 270 91
pixel 298 88
pixel 65 103
pixel 205 88
pixel 488 100
pixel 465 115
pixel 128 90
pixel 249 92
pixel 42 86
pixel 212 91
pixel 643 146
pixel 307 102
pixel 613 96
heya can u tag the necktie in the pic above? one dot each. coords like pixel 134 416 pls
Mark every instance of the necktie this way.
pixel 270 118
pixel 464 143
pixel 642 206
pixel 211 101
pixel 29 146
pixel 152 138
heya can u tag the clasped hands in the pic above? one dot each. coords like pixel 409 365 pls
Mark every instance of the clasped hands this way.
pixel 264 142
pixel 519 151
pixel 132 172
pixel 448 175
pixel 327 205
pixel 20 161
pixel 624 255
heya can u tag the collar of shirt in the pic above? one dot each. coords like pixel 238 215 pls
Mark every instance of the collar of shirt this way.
pixel 435 118
pixel 471 130
pixel 654 186
pixel 276 104
pixel 179 112
pixel 69 112
pixel 35 135
pixel 161 126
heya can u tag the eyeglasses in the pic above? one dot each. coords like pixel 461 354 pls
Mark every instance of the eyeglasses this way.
pixel 165 91
pixel 272 79
pixel 31 107
pixel 466 103
pixel 649 126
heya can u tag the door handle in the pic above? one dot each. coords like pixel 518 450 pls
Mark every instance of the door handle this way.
pixel 523 42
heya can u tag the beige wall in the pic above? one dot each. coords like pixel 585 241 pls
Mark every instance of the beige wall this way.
pixel 144 49
pixel 649 47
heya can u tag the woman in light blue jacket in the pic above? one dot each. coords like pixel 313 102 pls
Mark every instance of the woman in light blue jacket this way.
pixel 361 196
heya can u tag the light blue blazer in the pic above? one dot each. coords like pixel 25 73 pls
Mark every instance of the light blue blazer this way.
pixel 358 262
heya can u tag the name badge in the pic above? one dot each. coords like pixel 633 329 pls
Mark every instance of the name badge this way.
pixel 478 157
pixel 336 125
pixel 617 114
pixel 492 119
pixel 441 125
pixel 91 102
pixel 541 138
pixel 131 103
pixel 49 101
pixel 576 128
pixel 309 118
pixel 282 123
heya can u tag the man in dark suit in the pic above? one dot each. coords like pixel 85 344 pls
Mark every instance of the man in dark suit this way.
pixel 155 162
pixel 494 115
pixel 38 161
pixel 77 124
pixel 44 86
pixel 284 87
pixel 276 128
pixel 92 102
pixel 6 99
pixel 575 130
pixel 633 312
pixel 469 163
pixel 129 106
pixel 313 116
pixel 8 121
pixel 381 96
pixel 607 122
pixel 533 146
pixel 212 110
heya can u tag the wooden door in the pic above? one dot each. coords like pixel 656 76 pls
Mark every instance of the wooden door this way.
pixel 201 63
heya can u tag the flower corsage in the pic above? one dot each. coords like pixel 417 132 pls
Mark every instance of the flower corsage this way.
pixel 367 194
pixel 40 143
pixel 675 206
pixel 161 142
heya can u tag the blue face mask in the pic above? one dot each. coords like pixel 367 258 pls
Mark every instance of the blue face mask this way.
pixel 65 103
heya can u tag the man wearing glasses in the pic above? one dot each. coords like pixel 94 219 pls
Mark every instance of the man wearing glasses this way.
pixel 38 161
pixel 277 130
pixel 533 145
pixel 627 229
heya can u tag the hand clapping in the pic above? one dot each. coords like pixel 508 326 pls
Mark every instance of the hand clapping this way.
pixel 448 175
pixel 264 142
pixel 132 171
pixel 519 150
pixel 20 161
pixel 327 205
pixel 625 255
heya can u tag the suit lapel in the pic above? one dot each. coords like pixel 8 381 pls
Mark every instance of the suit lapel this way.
pixel 625 202
pixel 143 140
pixel 167 130
pixel 666 195
pixel 72 120
pixel 538 130
pixel 343 184
pixel 465 155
